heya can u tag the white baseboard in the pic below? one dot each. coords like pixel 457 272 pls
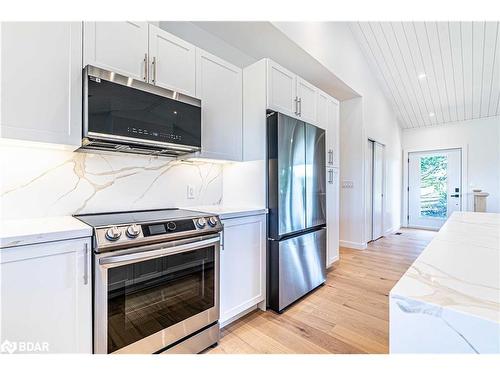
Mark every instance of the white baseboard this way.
pixel 353 245
pixel 392 230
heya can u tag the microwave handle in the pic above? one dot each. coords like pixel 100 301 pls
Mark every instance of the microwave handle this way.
pixel 147 255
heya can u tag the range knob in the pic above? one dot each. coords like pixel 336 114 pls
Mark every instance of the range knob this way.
pixel 201 222
pixel 212 221
pixel 113 233
pixel 171 226
pixel 133 231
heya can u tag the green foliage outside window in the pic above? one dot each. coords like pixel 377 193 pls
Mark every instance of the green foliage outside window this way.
pixel 433 186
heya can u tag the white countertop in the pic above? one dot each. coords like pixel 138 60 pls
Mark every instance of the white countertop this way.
pixel 460 268
pixel 449 299
pixel 38 230
pixel 226 212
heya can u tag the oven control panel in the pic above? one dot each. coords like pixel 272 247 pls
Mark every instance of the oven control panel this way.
pixel 124 235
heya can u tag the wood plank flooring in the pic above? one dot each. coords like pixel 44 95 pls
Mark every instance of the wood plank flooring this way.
pixel 349 314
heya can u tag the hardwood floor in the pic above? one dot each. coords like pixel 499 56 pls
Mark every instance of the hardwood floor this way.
pixel 349 314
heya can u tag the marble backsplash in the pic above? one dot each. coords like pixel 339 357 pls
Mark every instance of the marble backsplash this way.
pixel 36 182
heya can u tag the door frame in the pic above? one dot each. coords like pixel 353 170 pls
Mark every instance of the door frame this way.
pixel 464 168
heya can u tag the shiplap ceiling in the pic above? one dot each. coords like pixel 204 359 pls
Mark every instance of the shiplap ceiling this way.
pixel 435 72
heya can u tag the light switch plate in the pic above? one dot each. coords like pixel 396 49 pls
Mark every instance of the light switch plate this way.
pixel 190 191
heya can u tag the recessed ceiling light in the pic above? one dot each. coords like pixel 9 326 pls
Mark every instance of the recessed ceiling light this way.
pixel 422 76
pixel 432 114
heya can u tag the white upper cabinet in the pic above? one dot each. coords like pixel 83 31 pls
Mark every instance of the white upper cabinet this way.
pixel 322 110
pixel 242 266
pixel 306 94
pixel 41 82
pixel 281 89
pixel 219 86
pixel 332 134
pixel 172 62
pixel 121 47
pixel 47 295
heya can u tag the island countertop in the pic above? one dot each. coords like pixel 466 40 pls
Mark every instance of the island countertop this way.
pixel 449 299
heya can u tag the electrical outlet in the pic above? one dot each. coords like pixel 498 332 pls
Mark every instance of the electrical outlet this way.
pixel 190 191
pixel 347 184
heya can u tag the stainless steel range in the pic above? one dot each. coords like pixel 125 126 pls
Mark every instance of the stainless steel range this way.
pixel 156 281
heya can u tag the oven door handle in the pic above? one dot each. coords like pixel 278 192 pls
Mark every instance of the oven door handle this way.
pixel 147 255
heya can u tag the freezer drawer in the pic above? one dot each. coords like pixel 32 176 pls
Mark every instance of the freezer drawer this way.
pixel 296 266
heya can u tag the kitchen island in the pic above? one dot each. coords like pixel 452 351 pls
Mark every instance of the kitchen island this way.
pixel 449 299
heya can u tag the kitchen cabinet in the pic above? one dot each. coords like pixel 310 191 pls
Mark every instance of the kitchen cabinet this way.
pixel 290 94
pixel 242 266
pixel 58 316
pixel 219 86
pixel 281 89
pixel 306 94
pixel 121 47
pixel 328 119
pixel 41 85
pixel 332 216
pixel 172 61
pixel 332 134
pixel 141 51
pixel 267 86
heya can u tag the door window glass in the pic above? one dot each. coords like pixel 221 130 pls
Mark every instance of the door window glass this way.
pixel 434 186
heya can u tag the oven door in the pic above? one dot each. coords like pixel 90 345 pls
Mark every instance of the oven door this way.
pixel 150 297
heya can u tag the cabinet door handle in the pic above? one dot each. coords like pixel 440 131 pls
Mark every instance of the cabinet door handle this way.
pixel 330 176
pixel 222 239
pixel 153 67
pixel 300 107
pixel 296 105
pixel 146 63
pixel 85 264
pixel 330 156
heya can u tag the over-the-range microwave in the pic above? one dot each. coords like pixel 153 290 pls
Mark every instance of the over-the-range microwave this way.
pixel 128 115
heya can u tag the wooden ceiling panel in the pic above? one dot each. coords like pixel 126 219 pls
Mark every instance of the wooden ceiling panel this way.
pixel 435 72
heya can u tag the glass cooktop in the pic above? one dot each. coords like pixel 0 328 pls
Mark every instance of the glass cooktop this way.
pixel 131 217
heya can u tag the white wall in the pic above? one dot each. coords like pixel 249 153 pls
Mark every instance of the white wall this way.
pixel 482 137
pixel 333 44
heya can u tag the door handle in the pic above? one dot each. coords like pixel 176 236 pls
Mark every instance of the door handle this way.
pixel 160 252
pixel 296 105
pixel 300 107
pixel 330 156
pixel 146 63
pixel 222 237
pixel 330 176
pixel 153 68
pixel 85 264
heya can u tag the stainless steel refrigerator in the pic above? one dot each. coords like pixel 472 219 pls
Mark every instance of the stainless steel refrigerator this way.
pixel 296 199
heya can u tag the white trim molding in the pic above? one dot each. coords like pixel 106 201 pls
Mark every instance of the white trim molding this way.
pixel 353 245
pixel 464 172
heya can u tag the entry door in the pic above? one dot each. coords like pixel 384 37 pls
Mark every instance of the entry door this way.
pixel 434 182
pixel 378 191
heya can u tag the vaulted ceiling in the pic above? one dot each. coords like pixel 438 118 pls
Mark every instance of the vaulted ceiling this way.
pixel 435 72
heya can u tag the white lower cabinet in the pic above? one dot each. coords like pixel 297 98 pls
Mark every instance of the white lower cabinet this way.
pixel 332 216
pixel 46 294
pixel 242 266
